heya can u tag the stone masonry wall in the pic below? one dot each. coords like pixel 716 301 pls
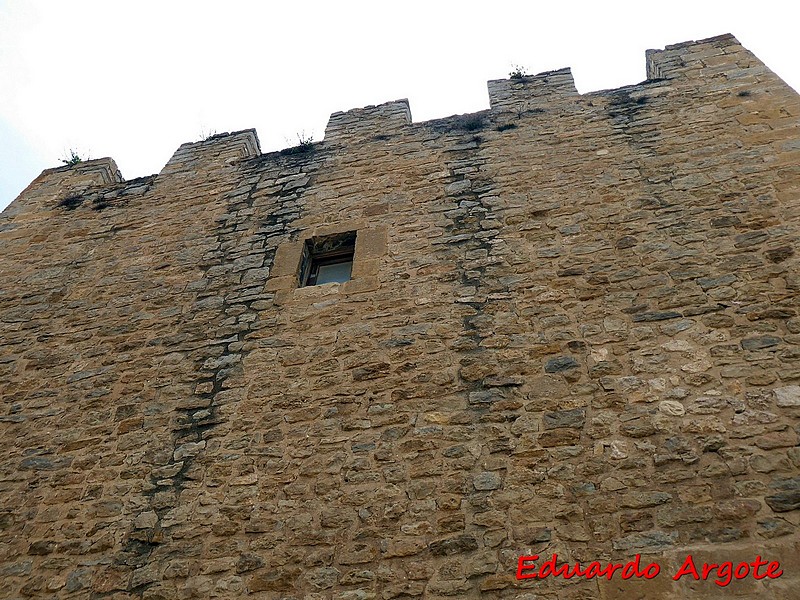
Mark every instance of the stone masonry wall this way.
pixel 572 328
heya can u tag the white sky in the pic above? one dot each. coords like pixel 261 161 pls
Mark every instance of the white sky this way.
pixel 134 80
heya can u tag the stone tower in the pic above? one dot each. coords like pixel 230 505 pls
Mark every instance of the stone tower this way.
pixel 389 364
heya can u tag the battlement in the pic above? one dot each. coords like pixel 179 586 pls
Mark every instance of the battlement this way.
pixel 532 92
pixel 714 64
pixel 689 58
pixel 222 146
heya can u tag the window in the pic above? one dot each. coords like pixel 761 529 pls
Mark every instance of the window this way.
pixel 328 259
pixel 364 254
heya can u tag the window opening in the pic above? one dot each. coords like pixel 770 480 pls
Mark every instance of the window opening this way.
pixel 328 259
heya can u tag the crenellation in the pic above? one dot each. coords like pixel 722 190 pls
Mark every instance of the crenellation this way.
pixel 226 146
pixel 532 92
pixel 716 65
pixel 63 183
pixel 694 61
pixel 676 59
pixel 359 124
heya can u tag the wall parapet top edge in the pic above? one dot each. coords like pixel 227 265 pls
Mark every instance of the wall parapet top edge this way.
pixel 106 167
pixel 684 61
pixel 724 39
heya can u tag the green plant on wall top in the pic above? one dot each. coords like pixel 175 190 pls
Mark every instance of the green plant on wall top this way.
pixel 73 159
pixel 518 72
pixel 206 133
pixel 305 144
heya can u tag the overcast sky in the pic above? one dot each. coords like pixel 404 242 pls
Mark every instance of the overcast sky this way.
pixel 134 80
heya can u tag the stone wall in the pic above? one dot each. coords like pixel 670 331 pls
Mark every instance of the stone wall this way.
pixel 572 328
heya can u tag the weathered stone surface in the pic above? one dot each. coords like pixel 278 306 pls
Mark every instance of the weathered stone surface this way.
pixel 656 316
pixel 786 495
pixel 487 481
pixel 146 520
pixel 249 562
pixel 42 547
pixel 43 463
pixel 454 545
pixel 562 363
pixel 757 343
pixel 652 541
pixel 277 579
pixel 574 418
pixel 787 396
pixel 672 408
pixel 571 327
